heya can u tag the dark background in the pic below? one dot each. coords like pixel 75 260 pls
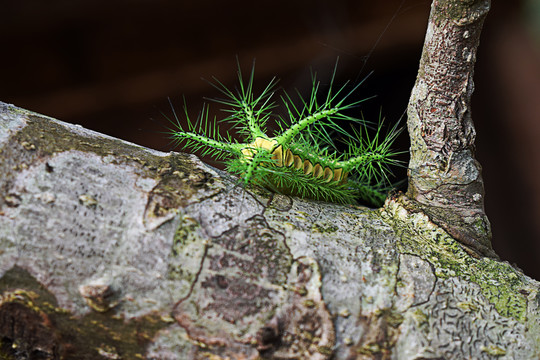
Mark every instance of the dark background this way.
pixel 111 65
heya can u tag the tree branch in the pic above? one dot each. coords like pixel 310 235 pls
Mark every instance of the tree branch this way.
pixel 444 177
pixel 112 251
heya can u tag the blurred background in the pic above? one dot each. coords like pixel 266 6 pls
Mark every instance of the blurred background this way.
pixel 111 65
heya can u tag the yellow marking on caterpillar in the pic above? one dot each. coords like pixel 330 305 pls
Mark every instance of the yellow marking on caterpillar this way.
pixel 308 167
pixel 259 143
pixel 288 158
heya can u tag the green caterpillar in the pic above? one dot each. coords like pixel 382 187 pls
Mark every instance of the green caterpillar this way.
pixel 302 159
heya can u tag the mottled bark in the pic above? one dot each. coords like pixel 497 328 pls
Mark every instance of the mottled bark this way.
pixel 444 177
pixel 112 251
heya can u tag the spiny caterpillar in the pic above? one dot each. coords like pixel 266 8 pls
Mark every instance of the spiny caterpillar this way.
pixel 302 159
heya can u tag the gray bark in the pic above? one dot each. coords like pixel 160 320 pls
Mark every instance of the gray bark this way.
pixel 444 177
pixel 112 251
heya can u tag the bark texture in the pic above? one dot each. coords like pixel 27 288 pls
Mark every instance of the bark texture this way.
pixel 444 177
pixel 112 251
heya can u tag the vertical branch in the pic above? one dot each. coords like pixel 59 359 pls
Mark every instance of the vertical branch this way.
pixel 444 177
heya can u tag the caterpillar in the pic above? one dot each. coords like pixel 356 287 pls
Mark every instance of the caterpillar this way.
pixel 302 158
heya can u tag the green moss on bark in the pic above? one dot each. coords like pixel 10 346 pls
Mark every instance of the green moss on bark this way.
pixel 500 283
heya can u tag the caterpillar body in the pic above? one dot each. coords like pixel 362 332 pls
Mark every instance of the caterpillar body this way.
pixel 303 158
pixel 305 163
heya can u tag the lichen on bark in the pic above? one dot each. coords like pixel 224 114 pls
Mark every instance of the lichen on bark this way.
pixel 171 260
pixel 444 177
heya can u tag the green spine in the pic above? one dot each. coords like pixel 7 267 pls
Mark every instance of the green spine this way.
pixel 308 132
